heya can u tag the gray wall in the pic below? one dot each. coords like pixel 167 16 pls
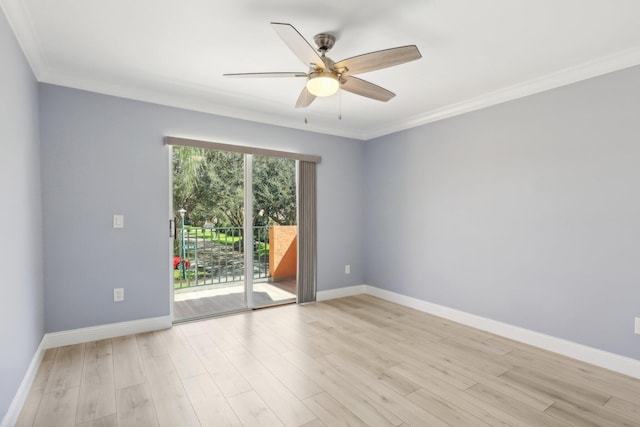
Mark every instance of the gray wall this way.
pixel 526 212
pixel 104 155
pixel 21 304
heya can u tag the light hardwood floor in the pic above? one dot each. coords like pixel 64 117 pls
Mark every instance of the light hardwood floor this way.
pixel 352 361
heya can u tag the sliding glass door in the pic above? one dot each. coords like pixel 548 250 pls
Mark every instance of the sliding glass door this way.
pixel 231 251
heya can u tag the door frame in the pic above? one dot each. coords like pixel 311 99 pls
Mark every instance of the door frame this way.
pixel 248 243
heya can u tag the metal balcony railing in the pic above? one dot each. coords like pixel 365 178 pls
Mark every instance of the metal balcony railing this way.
pixel 216 255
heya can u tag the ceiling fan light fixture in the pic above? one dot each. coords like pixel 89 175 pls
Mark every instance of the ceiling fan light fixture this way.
pixel 322 83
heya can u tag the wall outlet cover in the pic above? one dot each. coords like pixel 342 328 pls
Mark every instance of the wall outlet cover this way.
pixel 118 294
pixel 637 330
pixel 118 221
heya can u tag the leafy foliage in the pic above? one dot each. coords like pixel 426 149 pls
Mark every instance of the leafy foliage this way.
pixel 208 184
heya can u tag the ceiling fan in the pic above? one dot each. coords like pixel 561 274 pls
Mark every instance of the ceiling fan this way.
pixel 325 76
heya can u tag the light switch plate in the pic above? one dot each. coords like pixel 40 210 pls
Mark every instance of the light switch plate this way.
pixel 347 269
pixel 118 294
pixel 637 330
pixel 118 221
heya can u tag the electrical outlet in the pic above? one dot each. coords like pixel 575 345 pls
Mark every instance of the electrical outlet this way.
pixel 637 330
pixel 118 294
pixel 347 269
pixel 118 221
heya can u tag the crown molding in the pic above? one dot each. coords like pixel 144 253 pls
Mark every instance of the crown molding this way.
pixel 20 22
pixel 608 64
pixel 203 104
pixel 600 66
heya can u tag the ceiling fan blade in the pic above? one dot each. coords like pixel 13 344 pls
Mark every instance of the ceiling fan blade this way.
pixel 305 99
pixel 377 60
pixel 283 74
pixel 298 45
pixel 367 89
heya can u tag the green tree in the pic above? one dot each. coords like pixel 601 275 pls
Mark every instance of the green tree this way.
pixel 189 170
pixel 274 189
pixel 209 185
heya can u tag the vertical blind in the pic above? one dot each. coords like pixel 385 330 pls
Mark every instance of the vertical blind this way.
pixel 307 264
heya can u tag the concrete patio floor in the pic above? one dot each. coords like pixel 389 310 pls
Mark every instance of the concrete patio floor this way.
pixel 210 300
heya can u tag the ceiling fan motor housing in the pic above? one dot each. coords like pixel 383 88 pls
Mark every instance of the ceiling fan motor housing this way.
pixel 324 41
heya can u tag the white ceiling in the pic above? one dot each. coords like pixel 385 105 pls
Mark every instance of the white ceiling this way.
pixel 475 53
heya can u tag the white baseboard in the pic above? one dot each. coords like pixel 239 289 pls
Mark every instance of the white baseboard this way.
pixel 594 356
pixel 11 417
pixel 340 292
pixel 100 332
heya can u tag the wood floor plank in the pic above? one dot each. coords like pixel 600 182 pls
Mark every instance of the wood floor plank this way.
pixel 108 421
pixel 301 386
pixel 332 412
pixel 487 362
pixel 135 407
pixel 266 333
pixel 57 408
pixel 29 409
pixel 127 362
pixel 252 410
pixel 169 396
pixel 463 377
pixel 443 409
pixel 315 423
pixel 224 374
pixel 481 410
pixel 414 370
pixel 276 395
pixel 151 344
pixel 385 375
pixel 573 365
pixel 97 387
pixel 503 345
pixel 342 391
pixel 430 353
pixel 190 328
pixel 585 414
pixel 483 346
pixel 513 406
pixel 382 395
pixel 44 370
pixel 574 373
pixel 67 368
pixel 554 387
pixel 382 356
pixel 223 338
pixel 209 403
pixel 340 320
pixel 628 409
pixel 185 359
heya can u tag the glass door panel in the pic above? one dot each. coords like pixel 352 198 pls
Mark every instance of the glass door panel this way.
pixel 208 204
pixel 274 229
